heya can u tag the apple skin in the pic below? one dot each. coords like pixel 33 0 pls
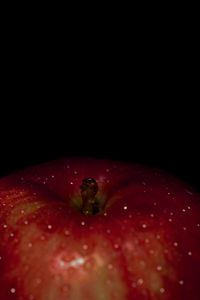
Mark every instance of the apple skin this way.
pixel 144 245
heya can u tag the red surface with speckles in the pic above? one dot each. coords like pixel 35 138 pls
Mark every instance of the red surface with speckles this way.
pixel 144 245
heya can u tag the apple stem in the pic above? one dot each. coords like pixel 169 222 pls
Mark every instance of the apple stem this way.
pixel 89 189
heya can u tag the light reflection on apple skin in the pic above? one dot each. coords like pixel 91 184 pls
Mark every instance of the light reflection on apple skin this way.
pixel 145 245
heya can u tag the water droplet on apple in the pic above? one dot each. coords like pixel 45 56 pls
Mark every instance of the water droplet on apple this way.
pixel 5 226
pixel 0 257
pixel 190 253
pixel 116 246
pixel 147 241
pixel 26 222
pixel 82 223
pixel 184 228
pixel 85 247
pixel 107 170
pixel 12 290
pixel 66 232
pixel 152 215
pixel 158 236
pixel 144 225
pixel 170 220
pixel 31 297
pixel 11 234
pixel 162 290
pixel 159 268
pixel 140 281
pixel 49 226
pixel 175 244
pixel 125 207
pixel 22 211
pixel 183 210
pixel 108 231
pixel 181 282
pixel 75 172
pixel 110 266
pixel 30 245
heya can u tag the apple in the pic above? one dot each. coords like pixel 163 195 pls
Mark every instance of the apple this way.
pixel 92 229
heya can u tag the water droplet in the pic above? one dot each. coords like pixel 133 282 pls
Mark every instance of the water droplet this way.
pixel 184 228
pixel 189 207
pixel 107 170
pixel 181 282
pixel 125 207
pixel 85 247
pixel 140 281
pixel 5 226
pixel 158 236
pixel 82 223
pixel 144 226
pixel 190 253
pixel 116 246
pixel 144 183
pixel 110 266
pixel 152 215
pixel 49 226
pixel 105 214
pixel 198 225
pixel 30 245
pixel 66 232
pixel 52 176
pixel 68 166
pixel 170 220
pixel 147 241
pixel 71 182
pixel 108 231
pixel 171 213
pixel 162 290
pixel 26 222
pixel 13 290
pixel 22 211
pixel 75 172
pixel 11 234
pixel 154 203
pixel 183 210
pixel 0 257
pixel 31 297
pixel 159 268
pixel 175 244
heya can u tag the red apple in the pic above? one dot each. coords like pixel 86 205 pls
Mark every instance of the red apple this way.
pixel 98 230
